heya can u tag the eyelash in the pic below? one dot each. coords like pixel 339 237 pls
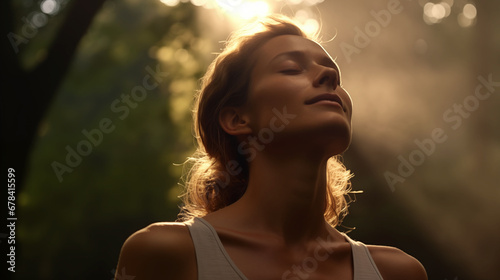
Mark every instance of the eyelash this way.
pixel 291 71
pixel 296 71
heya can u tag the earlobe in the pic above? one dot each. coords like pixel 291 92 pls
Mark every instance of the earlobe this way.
pixel 234 122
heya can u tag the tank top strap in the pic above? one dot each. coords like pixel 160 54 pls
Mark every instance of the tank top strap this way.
pixel 212 260
pixel 364 265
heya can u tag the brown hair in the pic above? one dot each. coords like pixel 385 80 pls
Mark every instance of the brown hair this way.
pixel 218 175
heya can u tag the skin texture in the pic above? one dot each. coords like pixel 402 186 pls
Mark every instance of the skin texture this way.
pixel 279 220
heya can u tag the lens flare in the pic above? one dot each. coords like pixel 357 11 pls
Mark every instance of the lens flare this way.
pixel 170 3
pixel 244 9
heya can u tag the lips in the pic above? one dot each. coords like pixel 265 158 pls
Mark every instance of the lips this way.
pixel 326 97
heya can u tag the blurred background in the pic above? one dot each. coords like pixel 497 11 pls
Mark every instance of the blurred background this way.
pixel 96 106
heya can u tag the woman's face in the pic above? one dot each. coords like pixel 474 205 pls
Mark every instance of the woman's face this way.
pixel 295 97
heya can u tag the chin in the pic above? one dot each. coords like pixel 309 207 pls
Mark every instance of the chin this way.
pixel 338 148
pixel 338 141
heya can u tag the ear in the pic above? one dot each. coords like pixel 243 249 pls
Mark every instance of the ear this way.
pixel 234 122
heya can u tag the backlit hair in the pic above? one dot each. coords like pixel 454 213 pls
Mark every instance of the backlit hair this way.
pixel 218 174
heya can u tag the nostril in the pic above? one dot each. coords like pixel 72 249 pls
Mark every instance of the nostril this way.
pixel 324 80
pixel 328 80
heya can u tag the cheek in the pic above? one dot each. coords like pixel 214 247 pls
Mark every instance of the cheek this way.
pixel 347 98
pixel 270 96
pixel 278 91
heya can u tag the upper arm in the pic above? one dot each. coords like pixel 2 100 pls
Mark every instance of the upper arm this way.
pixel 396 264
pixel 159 251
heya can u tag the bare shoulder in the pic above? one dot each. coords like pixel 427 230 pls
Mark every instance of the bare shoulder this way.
pixel 393 263
pixel 159 251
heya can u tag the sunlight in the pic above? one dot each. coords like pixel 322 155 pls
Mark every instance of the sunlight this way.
pixel 170 3
pixel 248 9
pixel 199 3
pixel 306 22
pixel 244 9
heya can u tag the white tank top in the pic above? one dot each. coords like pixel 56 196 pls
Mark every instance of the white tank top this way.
pixel 214 263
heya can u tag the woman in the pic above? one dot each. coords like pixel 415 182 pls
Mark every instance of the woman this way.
pixel 266 190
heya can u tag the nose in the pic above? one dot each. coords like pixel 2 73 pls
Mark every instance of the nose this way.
pixel 326 76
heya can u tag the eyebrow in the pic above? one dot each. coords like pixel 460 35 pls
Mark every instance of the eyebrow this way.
pixel 301 55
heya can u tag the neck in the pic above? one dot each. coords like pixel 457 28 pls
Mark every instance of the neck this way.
pixel 286 195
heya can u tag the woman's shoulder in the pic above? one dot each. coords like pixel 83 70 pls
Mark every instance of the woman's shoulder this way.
pixel 159 251
pixel 393 263
pixel 160 236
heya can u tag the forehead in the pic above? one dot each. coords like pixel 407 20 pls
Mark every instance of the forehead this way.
pixel 291 44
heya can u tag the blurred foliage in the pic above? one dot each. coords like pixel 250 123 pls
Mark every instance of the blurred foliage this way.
pixel 74 229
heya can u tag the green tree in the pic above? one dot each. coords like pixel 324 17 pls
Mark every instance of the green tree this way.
pixel 135 70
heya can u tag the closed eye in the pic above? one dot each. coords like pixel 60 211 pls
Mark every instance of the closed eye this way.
pixel 291 71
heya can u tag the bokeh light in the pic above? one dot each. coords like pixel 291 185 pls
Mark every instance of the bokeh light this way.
pixel 170 3
pixel 243 10
pixel 306 21
pixel 199 3
pixel 248 10
pixel 470 11
pixel 435 13
pixel 50 7
pixel 468 16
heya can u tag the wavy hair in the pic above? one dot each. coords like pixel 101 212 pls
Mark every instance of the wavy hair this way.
pixel 218 174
